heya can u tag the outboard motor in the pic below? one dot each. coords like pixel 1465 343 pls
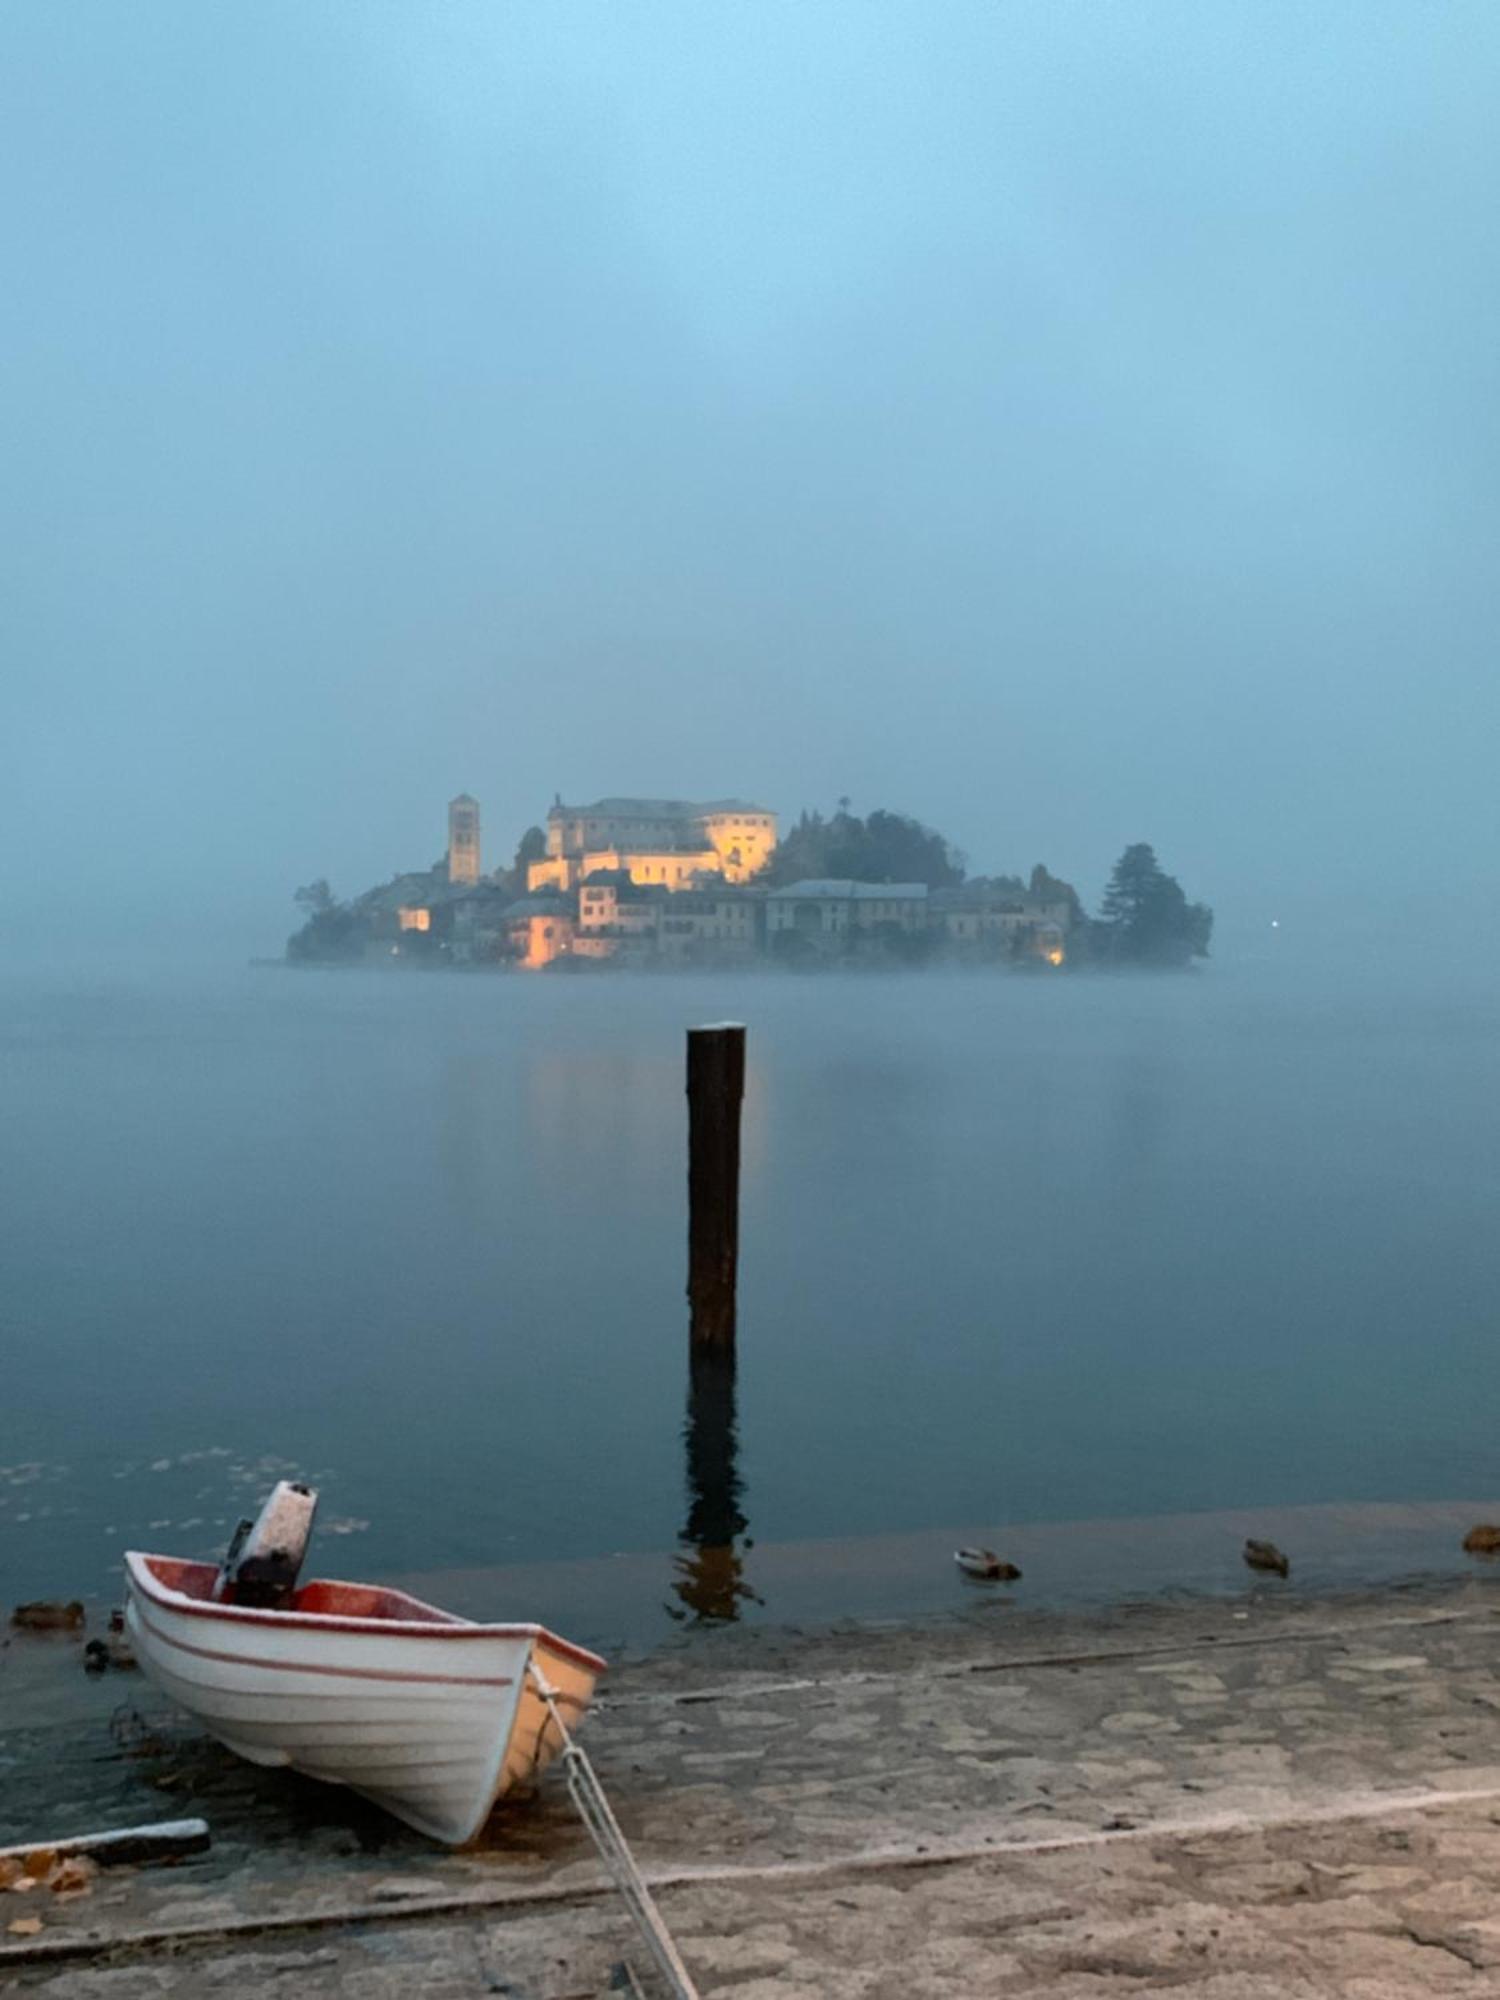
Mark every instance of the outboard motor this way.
pixel 266 1555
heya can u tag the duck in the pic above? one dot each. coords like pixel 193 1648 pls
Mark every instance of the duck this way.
pixel 45 1617
pixel 1266 1556
pixel 986 1565
pixel 1482 1540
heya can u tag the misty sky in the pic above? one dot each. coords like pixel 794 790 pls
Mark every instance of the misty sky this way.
pixel 1072 424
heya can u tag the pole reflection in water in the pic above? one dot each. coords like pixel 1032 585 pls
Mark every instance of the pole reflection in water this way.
pixel 709 1580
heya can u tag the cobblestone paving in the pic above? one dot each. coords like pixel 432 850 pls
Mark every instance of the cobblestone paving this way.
pixel 1276 1797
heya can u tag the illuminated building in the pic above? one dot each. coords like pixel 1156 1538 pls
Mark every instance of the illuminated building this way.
pixel 539 930
pixel 668 843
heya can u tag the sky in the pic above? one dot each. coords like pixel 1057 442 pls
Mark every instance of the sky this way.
pixel 1070 424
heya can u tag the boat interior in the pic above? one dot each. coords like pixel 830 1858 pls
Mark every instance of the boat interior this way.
pixel 318 1598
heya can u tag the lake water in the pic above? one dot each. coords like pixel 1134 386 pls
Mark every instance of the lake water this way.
pixel 1014 1251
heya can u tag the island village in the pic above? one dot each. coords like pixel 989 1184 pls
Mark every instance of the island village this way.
pixel 661 882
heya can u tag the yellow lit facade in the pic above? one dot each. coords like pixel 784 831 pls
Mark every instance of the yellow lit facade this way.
pixel 668 843
pixel 662 868
pixel 743 837
pixel 409 918
pixel 539 938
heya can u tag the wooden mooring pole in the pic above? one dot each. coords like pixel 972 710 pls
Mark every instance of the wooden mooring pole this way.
pixel 715 1088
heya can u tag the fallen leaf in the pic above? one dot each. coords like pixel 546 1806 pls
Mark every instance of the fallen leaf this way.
pixel 25 1926
pixel 73 1876
pixel 12 1868
pixel 40 1861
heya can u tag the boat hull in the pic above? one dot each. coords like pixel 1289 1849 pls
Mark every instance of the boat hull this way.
pixel 431 1717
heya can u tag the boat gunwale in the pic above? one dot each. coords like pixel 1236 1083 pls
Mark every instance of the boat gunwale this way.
pixel 444 1624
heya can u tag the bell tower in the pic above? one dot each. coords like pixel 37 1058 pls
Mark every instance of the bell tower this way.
pixel 463 839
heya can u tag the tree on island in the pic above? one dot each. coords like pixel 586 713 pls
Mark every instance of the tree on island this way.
pixel 1145 919
pixel 886 847
pixel 532 846
pixel 1046 887
pixel 330 930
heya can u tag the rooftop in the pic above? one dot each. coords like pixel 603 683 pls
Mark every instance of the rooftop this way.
pixel 851 892
pixel 652 809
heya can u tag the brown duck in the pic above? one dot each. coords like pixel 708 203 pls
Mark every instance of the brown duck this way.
pixel 986 1565
pixel 44 1617
pixel 1483 1540
pixel 1266 1556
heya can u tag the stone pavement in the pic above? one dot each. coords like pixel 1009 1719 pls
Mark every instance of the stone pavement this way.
pixel 1275 1797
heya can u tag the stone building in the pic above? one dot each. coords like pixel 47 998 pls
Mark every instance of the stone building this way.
pixel 538 931
pixel 979 921
pixel 614 911
pixel 671 843
pixel 722 923
pixel 463 840
pixel 830 916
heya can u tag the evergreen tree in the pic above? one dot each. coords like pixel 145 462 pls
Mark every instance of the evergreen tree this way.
pixel 1049 888
pixel 332 929
pixel 1145 919
pixel 886 847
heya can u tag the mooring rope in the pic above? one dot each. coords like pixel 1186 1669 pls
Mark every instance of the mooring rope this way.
pixel 594 1810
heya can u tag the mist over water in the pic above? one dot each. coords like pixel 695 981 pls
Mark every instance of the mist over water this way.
pixel 1070 426
pixel 1013 1250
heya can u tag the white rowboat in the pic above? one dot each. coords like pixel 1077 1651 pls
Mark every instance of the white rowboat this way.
pixel 428 1715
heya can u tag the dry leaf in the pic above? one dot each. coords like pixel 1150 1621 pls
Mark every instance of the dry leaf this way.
pixel 41 1861
pixel 25 1926
pixel 73 1876
pixel 12 1868
pixel 23 1885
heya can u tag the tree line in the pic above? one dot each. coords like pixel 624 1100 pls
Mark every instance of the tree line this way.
pixel 1145 917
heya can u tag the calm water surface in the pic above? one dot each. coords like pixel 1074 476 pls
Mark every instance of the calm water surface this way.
pixel 1014 1250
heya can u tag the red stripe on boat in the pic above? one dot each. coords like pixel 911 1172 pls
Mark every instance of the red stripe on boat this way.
pixel 318 1667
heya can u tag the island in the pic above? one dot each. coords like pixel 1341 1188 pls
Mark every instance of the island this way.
pixel 630 882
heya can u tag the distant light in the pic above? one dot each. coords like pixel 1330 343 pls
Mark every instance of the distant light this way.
pixel 1276 923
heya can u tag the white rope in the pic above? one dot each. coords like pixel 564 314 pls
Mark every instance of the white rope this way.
pixel 594 1810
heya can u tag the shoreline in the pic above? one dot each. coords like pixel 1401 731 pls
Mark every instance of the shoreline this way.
pixel 814 1808
pixel 633 1605
pixel 1085 1565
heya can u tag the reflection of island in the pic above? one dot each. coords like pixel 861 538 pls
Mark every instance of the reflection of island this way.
pixel 709 1577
